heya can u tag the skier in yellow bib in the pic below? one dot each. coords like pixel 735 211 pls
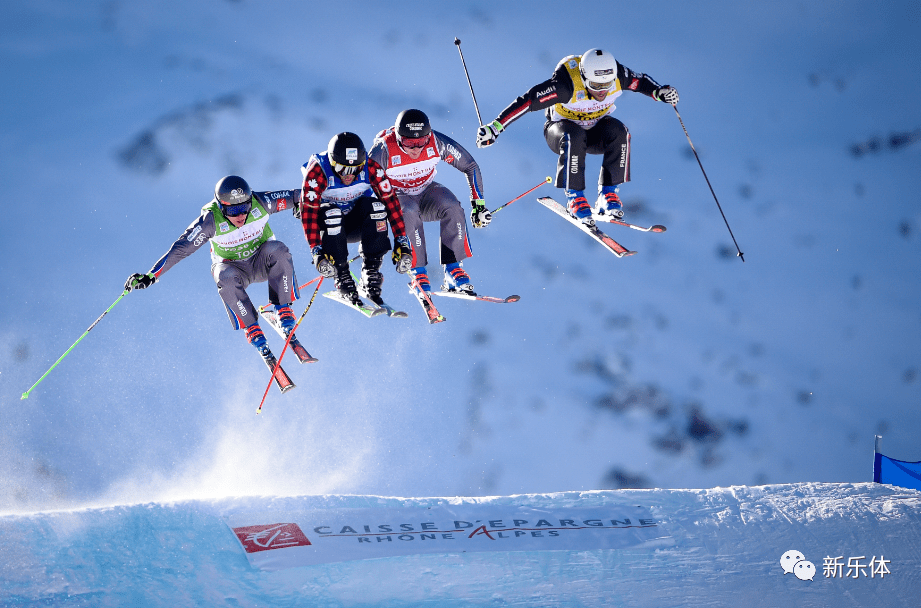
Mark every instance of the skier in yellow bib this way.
pixel 577 101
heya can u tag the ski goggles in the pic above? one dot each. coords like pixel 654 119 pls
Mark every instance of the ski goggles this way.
pixel 413 142
pixel 346 169
pixel 235 210
pixel 599 86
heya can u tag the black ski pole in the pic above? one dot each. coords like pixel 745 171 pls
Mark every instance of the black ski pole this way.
pixel 739 254
pixel 466 73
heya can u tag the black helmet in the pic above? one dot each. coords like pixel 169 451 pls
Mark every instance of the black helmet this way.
pixel 413 129
pixel 347 153
pixel 234 195
pixel 412 124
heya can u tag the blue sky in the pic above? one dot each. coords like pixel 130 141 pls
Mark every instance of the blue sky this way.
pixel 796 357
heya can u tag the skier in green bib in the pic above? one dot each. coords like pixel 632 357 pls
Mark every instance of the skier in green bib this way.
pixel 243 251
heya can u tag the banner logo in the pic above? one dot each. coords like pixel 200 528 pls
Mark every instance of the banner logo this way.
pixel 274 536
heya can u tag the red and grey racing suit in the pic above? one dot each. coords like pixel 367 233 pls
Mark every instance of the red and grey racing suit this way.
pixel 425 200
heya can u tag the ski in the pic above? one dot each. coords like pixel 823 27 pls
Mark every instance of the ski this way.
pixel 282 381
pixel 605 218
pixel 389 310
pixel 299 351
pixel 467 296
pixel 593 231
pixel 368 311
pixel 426 302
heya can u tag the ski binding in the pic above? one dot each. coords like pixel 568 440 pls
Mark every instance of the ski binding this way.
pixel 299 351
pixel 365 309
pixel 610 220
pixel 464 295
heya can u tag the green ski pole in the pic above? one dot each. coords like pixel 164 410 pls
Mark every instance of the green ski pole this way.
pixel 61 358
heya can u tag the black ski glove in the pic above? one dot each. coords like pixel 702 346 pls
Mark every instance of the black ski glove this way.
pixel 324 262
pixel 486 135
pixel 402 255
pixel 479 214
pixel 140 281
pixel 667 94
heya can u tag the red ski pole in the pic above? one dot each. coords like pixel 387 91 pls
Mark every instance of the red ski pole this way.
pixel 264 306
pixel 288 341
pixel 547 180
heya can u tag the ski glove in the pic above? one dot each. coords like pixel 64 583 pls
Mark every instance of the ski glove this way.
pixel 667 94
pixel 486 135
pixel 479 214
pixel 140 281
pixel 324 262
pixel 402 254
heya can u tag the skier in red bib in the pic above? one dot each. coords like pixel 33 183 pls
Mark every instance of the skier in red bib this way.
pixel 577 101
pixel 410 152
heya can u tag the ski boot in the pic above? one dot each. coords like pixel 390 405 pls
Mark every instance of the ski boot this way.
pixel 578 207
pixel 257 338
pixel 422 278
pixel 457 279
pixel 286 319
pixel 346 284
pixel 609 203
pixel 372 279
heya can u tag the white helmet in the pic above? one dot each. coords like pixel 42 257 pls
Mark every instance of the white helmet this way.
pixel 599 69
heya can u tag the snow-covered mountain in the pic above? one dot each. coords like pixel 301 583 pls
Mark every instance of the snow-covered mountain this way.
pixel 678 367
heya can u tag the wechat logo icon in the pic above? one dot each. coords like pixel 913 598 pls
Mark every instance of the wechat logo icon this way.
pixel 795 562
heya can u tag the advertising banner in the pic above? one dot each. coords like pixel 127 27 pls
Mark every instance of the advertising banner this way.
pixel 290 539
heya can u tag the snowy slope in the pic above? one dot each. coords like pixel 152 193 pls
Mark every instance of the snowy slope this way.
pixel 678 367
pixel 727 548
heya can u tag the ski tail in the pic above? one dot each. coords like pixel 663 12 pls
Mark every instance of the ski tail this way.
pixel 300 352
pixel 425 300
pixel 281 378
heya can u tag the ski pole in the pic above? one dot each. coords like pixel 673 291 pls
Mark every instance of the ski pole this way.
pixel 546 180
pixel 288 341
pixel 475 106
pixel 739 254
pixel 264 306
pixel 61 358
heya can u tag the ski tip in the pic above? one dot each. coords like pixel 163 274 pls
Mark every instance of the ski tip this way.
pixel 627 254
pixel 310 360
pixel 658 228
pixel 24 396
pixel 399 314
pixel 512 298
